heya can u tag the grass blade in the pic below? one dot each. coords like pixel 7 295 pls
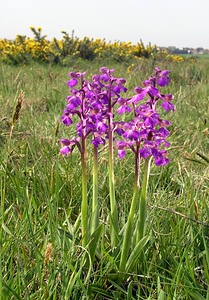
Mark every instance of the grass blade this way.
pixel 94 241
pixel 136 252
pixel 205 158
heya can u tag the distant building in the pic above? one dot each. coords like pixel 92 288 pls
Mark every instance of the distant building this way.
pixel 184 50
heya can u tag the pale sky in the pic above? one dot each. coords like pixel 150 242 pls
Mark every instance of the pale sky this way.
pixel 180 23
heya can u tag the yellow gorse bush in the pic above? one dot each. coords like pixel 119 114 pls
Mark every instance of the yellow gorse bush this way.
pixel 23 49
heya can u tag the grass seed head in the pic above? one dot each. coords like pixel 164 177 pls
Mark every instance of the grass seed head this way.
pixel 18 107
pixel 48 253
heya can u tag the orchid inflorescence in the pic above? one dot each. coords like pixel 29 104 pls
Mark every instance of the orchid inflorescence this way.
pixel 93 103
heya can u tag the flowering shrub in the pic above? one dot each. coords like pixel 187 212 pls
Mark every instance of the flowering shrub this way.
pixel 23 49
pixel 96 104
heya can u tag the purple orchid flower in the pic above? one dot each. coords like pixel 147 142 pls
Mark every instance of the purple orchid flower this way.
pixel 162 77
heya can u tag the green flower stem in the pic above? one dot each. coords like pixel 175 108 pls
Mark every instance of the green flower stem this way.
pixel 143 204
pixel 84 203
pixel 95 204
pixel 129 225
pixel 114 228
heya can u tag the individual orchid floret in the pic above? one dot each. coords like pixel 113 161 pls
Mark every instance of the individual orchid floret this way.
pixel 66 119
pixel 162 76
pixel 147 114
pixel 72 82
pixel 98 140
pixel 77 75
pixel 121 146
pixel 74 78
pixel 105 70
pixel 166 104
pixel 73 102
pixel 124 109
pixel 159 156
pixel 68 145
pixel 119 87
pixel 141 93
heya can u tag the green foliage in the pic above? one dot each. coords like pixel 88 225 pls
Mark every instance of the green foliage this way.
pixel 41 195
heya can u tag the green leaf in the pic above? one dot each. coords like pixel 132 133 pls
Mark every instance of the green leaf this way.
pixel 129 291
pixel 6 212
pixel 205 158
pixel 94 239
pixel 95 289
pixel 207 297
pixel 6 229
pixel 195 160
pixel 207 210
pixel 195 295
pixel 66 233
pixel 206 251
pixel 136 252
pixel 161 293
pixel 77 224
pixel 11 291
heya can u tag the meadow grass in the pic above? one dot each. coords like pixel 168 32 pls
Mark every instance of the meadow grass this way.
pixel 40 251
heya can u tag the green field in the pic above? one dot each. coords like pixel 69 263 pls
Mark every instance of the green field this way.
pixel 40 247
